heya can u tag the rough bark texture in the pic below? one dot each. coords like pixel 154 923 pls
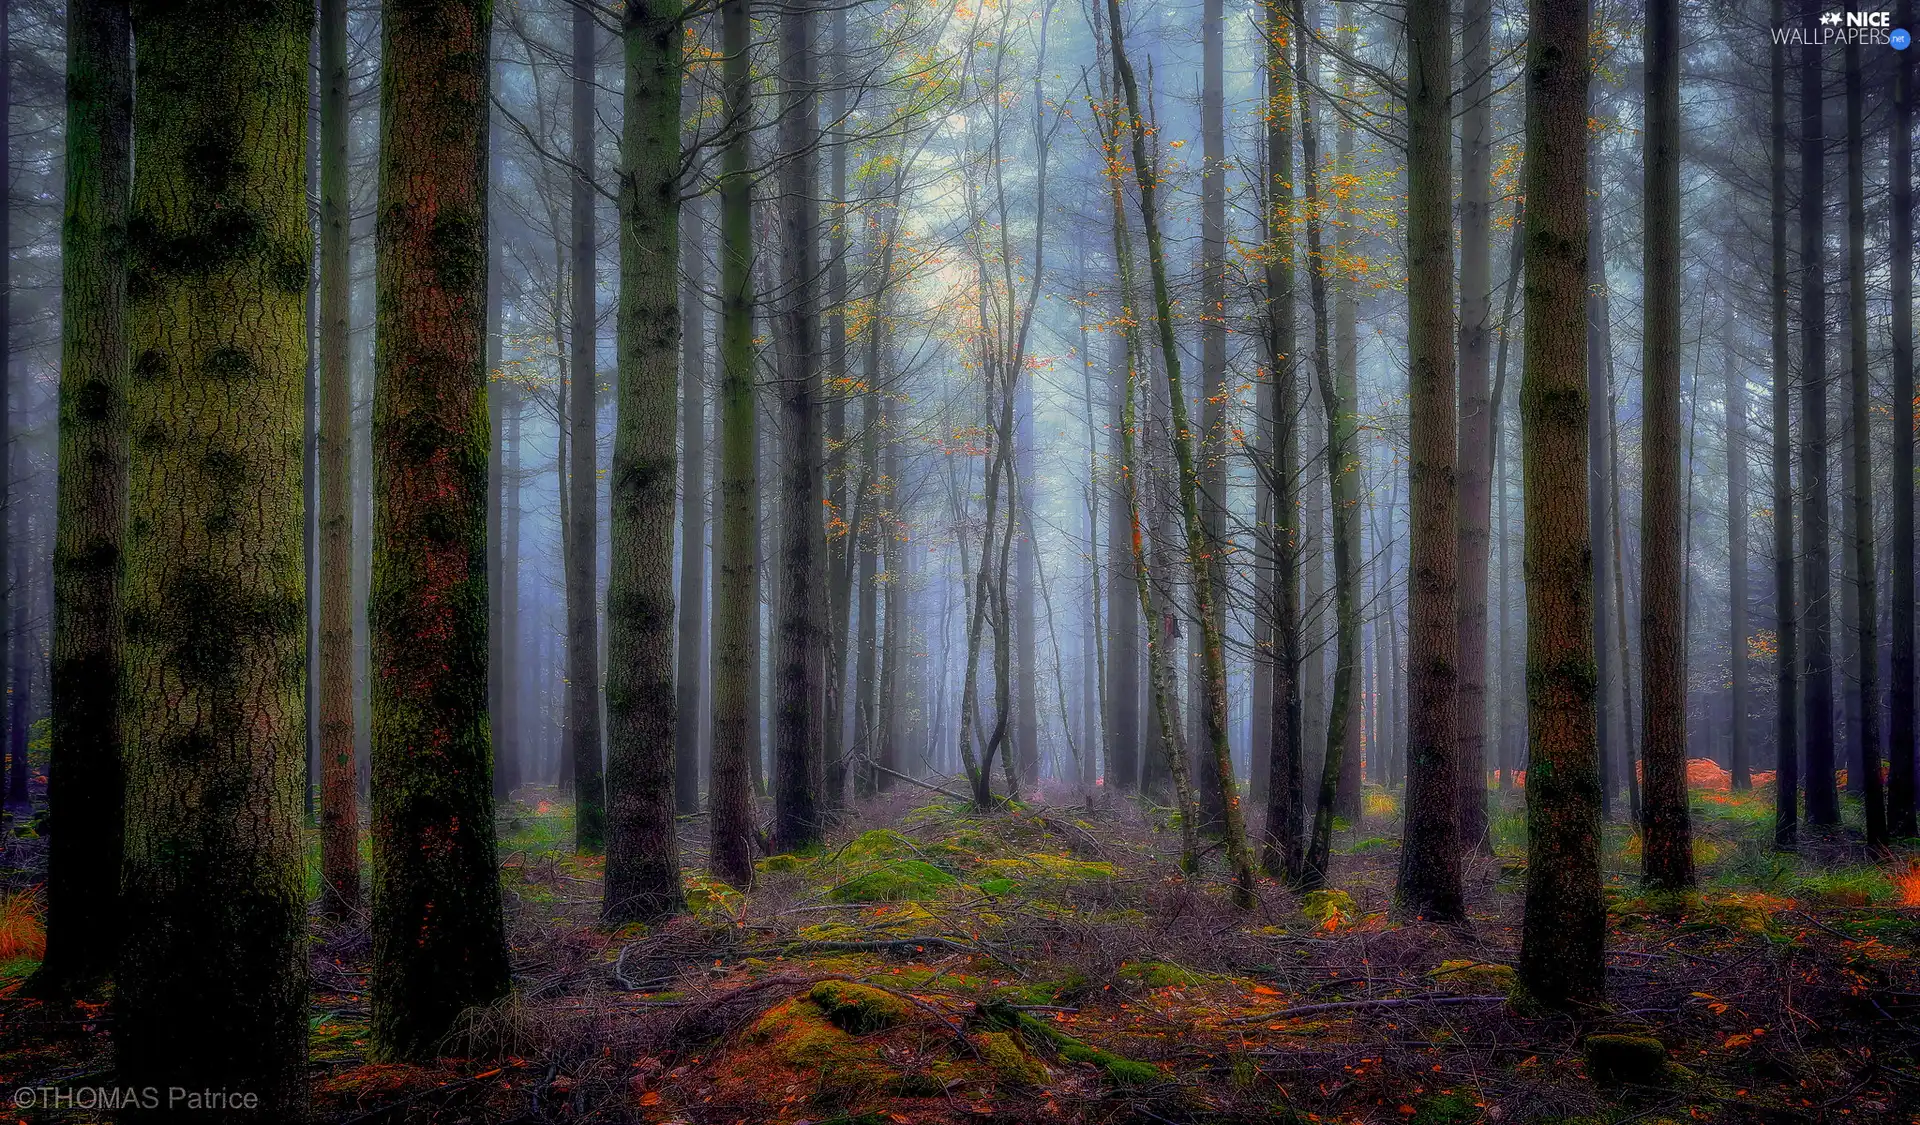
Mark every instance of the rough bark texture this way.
pixel 1740 739
pixel 643 857
pixel 736 532
pixel 1816 585
pixel 339 774
pixel 212 986
pixel 1900 793
pixel 1476 413
pixel 1600 421
pixel 85 782
pixel 1667 844
pixel 1430 858
pixel 1562 950
pixel 1786 610
pixel 437 941
pixel 1866 639
pixel 583 469
pixel 800 803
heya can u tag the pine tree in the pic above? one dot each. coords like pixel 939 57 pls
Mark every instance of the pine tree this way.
pixel 212 984
pixel 438 946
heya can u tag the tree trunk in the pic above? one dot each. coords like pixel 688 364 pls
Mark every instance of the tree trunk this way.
pixel 1866 643
pixel 1430 857
pixel 1123 693
pixel 643 858
pixel 736 532
pixel 1280 853
pixel 1476 411
pixel 212 983
pixel 1786 611
pixel 841 538
pixel 583 473
pixel 437 941
pixel 689 697
pixel 1900 793
pixel 339 777
pixel 1562 951
pixel 1025 755
pixel 800 800
pixel 1739 747
pixel 1599 345
pixel 85 783
pixel 1823 803
pixel 1667 835
pixel 1346 367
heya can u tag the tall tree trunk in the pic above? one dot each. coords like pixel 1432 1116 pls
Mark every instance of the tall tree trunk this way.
pixel 1025 756
pixel 1786 610
pixel 865 546
pixel 500 663
pixel 16 794
pixel 689 698
pixel 1823 804
pixel 1213 450
pixel 1200 549
pixel 212 983
pixel 1866 644
pixel 510 739
pixel 736 530
pixel 1599 346
pixel 438 947
pixel 1343 473
pixel 1280 853
pixel 1739 747
pixel 1900 793
pixel 1476 412
pixel 1667 835
pixel 643 856
pixel 841 543
pixel 583 470
pixel 339 775
pixel 85 782
pixel 1123 690
pixel 1430 858
pixel 1562 949
pixel 1346 367
pixel 800 800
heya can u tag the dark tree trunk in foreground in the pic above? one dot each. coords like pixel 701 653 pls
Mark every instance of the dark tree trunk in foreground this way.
pixel 1816 585
pixel 1562 950
pixel 690 679
pixel 1430 858
pixel 800 800
pixel 1476 414
pixel 437 941
pixel 1786 610
pixel 643 856
pixel 736 523
pixel 85 782
pixel 1667 851
pixel 339 773
pixel 583 476
pixel 1900 793
pixel 1866 642
pixel 1280 852
pixel 1600 422
pixel 212 986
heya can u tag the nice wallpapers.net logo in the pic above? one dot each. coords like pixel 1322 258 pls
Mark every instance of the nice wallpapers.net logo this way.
pixel 1847 28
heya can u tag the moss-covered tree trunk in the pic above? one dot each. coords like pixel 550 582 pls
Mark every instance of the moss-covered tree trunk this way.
pixel 212 987
pixel 339 775
pixel 643 857
pixel 85 783
pixel 1901 721
pixel 437 941
pixel 736 529
pixel 1816 582
pixel 691 658
pixel 1563 938
pixel 1667 845
pixel 1430 856
pixel 1200 549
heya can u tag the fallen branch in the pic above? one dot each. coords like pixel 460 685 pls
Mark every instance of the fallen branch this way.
pixel 916 781
pixel 1351 1005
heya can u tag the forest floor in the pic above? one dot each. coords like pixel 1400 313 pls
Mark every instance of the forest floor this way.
pixel 1049 963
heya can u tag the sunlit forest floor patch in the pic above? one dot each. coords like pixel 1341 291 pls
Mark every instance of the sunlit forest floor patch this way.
pixel 1049 962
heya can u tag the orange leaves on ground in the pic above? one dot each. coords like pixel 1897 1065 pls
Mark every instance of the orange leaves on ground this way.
pixel 1906 882
pixel 21 932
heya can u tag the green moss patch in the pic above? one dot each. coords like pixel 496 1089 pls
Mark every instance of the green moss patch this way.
pixel 859 1009
pixel 899 880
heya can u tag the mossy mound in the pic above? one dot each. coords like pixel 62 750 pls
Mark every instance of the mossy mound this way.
pixel 859 1009
pixel 1329 909
pixel 1480 978
pixel 1009 1058
pixel 1160 974
pixel 880 843
pixel 1629 1060
pixel 785 863
pixel 1445 1109
pixel 711 898
pixel 1040 868
pixel 899 880
pixel 1119 1070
